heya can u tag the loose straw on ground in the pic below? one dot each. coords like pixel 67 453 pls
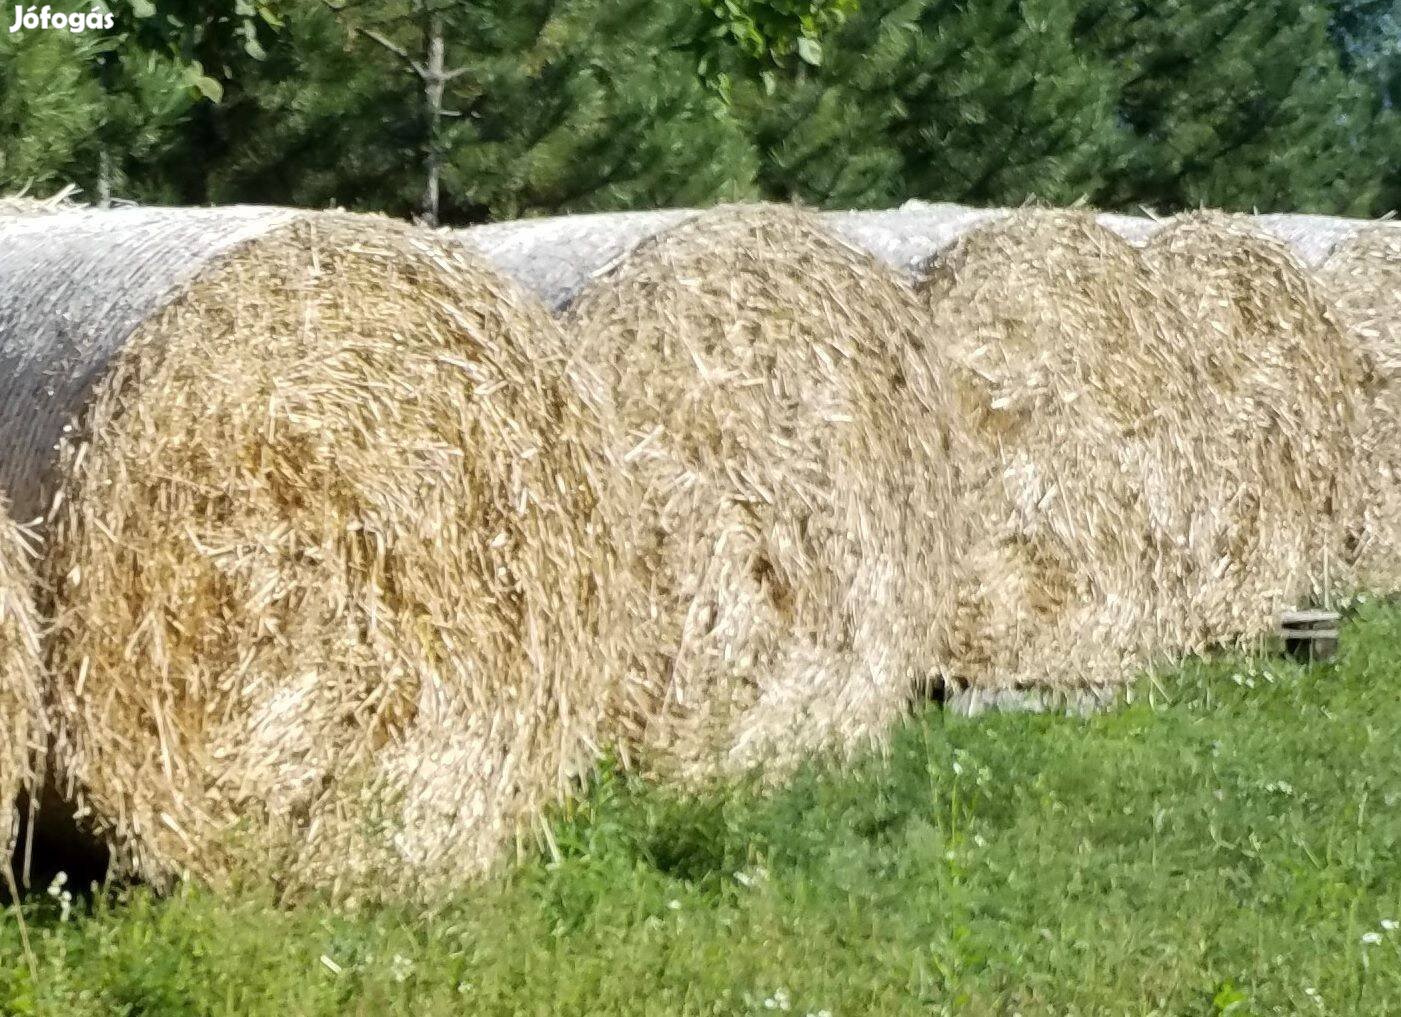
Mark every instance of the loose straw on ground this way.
pixel 1276 384
pixel 790 466
pixel 325 551
pixel 1064 374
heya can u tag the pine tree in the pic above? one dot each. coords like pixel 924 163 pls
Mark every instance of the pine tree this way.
pixel 1236 105
pixel 823 127
pixel 985 102
pixel 549 106
pixel 1001 106
pixel 50 105
pixel 85 110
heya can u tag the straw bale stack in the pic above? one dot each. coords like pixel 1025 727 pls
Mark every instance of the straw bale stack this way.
pixel 792 466
pixel 22 725
pixel 556 257
pixel 326 557
pixel 1062 367
pixel 1362 277
pixel 1277 383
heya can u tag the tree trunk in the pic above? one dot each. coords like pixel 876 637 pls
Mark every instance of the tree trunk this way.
pixel 434 83
pixel 104 177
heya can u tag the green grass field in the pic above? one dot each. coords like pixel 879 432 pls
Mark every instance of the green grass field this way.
pixel 1229 844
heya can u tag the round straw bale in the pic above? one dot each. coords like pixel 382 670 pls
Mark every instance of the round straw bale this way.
pixel 22 724
pixel 1362 277
pixel 1276 383
pixel 1049 328
pixel 792 469
pixel 556 257
pixel 325 552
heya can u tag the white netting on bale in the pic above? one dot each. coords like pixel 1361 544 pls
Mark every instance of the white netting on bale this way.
pixel 556 257
pixel 326 554
pixel 1276 383
pixel 791 468
pixel 1362 276
pixel 906 237
pixel 1072 581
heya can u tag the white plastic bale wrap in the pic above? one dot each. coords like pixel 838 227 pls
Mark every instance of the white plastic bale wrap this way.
pixel 1313 237
pixel 556 257
pixel 906 237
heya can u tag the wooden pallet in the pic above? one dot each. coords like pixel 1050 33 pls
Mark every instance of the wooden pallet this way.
pixel 1310 636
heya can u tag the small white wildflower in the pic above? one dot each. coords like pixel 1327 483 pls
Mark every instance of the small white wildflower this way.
pixel 1389 924
pixel 780 997
pixel 957 767
pixel 1372 938
pixel 400 968
pixel 463 988
pixel 978 840
pixel 675 905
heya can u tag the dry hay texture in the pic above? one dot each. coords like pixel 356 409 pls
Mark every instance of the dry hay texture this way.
pixel 22 723
pixel 326 552
pixel 792 471
pixel 1062 364
pixel 1277 381
pixel 1362 276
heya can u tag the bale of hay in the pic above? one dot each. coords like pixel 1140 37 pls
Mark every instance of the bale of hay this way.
pixel 22 723
pixel 905 238
pixel 1063 372
pixel 790 463
pixel 1362 277
pixel 556 257
pixel 326 555
pixel 1276 383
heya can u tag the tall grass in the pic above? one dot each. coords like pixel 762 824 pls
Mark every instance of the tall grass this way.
pixel 1227 844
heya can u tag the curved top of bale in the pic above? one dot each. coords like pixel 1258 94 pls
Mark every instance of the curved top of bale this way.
pixel 556 257
pixel 792 464
pixel 22 725
pixel 1362 276
pixel 1272 367
pixel 906 237
pixel 1050 327
pixel 1313 237
pixel 328 556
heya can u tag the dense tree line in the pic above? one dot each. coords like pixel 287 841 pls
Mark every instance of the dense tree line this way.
pixel 470 110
